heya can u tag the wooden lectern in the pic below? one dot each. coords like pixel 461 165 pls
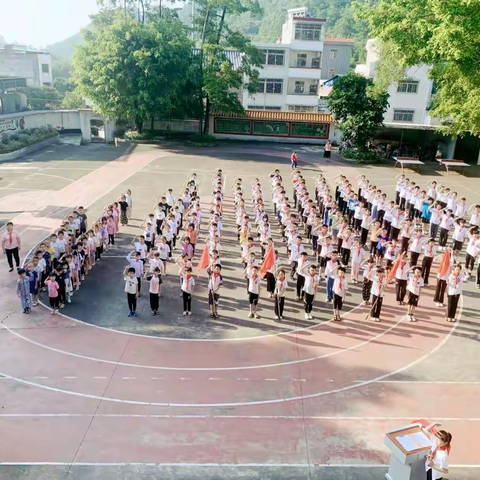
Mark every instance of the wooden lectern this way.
pixel 409 447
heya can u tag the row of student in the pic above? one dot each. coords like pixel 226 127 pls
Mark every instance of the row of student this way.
pixel 182 221
pixel 63 261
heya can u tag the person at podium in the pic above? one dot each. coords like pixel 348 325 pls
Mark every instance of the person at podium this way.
pixel 437 460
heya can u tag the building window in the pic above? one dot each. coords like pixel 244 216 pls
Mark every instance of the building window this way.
pixel 299 87
pixel 261 85
pixel 269 85
pixel 316 62
pixel 262 107
pixel 307 31
pixel 47 84
pixel 407 87
pixel 300 108
pixel 301 60
pixel 403 115
pixel 313 89
pixel 273 57
pixel 331 73
pixel 333 54
pixel 45 68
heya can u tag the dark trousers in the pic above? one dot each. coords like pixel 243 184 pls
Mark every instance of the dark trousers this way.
pixel 429 475
pixel 440 291
pixel 61 295
pixel 367 288
pixel 337 302
pixel 469 262
pixel 478 274
pixel 98 253
pixel 111 239
pixel 154 301
pixel 300 284
pixel 294 268
pixel 433 230
pixel 452 302
pixel 426 266
pixel 363 238
pixel 270 282
pixel 12 253
pixel 139 280
pixel 380 215
pixel 414 258
pixel 308 303
pixel 54 302
pixel 443 237
pixel 394 231
pixel 187 301
pixel 132 301
pixel 345 256
pixel 405 242
pixel 279 304
pixel 401 290
pixel 376 306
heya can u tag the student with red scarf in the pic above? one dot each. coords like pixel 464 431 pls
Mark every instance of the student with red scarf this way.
pixel 436 464
pixel 455 282
pixel 11 246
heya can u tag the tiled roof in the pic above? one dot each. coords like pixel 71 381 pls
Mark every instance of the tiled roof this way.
pixel 279 116
pixel 338 40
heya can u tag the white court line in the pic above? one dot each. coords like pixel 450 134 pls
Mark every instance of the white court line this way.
pixel 248 367
pixel 55 176
pixel 420 382
pixel 235 417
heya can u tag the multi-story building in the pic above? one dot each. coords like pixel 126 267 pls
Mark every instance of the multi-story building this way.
pixel 409 99
pixel 19 61
pixel 296 64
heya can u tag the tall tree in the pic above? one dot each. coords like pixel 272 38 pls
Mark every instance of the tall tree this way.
pixel 357 108
pixel 133 70
pixel 444 34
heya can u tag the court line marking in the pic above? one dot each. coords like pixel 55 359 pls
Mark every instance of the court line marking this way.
pixel 223 417
pixel 258 402
pixel 420 382
pixel 203 369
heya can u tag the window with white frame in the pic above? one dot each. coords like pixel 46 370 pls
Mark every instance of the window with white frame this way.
pixel 316 61
pixel 269 85
pixel 262 107
pixel 307 31
pixel 331 73
pixel 300 108
pixel 333 54
pixel 313 89
pixel 301 60
pixel 273 56
pixel 299 86
pixel 403 115
pixel 407 87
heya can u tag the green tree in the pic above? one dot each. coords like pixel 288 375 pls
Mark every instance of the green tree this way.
pixel 73 100
pixel 357 109
pixel 443 34
pixel 133 70
pixel 41 98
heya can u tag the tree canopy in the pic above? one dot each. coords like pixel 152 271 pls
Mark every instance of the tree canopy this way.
pixel 133 70
pixel 443 34
pixel 357 108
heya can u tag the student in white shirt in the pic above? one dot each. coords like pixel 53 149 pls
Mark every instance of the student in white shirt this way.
pixel 310 290
pixel 302 268
pixel 330 274
pixel 378 286
pixel 368 273
pixel 281 286
pixel 415 283
pixel 454 290
pixel 401 276
pixel 131 289
pixel 446 224
pixel 253 290
pixel 459 234
pixel 215 283
pixel 155 290
pixel 358 254
pixel 296 248
pixel 188 285
pixel 339 291
pixel 429 251
pixel 441 286
pixel 473 247
pixel 416 247
pixel 436 464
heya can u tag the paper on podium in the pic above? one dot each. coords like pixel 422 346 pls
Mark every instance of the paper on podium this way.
pixel 414 441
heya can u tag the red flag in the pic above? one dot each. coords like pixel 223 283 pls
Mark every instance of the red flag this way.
pixel 203 261
pixel 444 264
pixel 393 271
pixel 268 262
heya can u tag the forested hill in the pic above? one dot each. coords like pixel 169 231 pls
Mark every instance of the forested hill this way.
pixel 341 21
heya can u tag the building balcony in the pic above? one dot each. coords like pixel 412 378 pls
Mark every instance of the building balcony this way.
pixel 302 99
pixel 305 72
pixel 297 91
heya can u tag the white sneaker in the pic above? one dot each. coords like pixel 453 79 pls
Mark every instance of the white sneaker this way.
pixel 277 317
pixel 307 316
pixel 310 317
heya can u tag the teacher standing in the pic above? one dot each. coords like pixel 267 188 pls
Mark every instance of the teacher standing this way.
pixel 437 460
pixel 328 151
pixel 11 246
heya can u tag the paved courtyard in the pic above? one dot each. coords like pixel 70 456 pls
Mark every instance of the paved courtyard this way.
pixel 93 394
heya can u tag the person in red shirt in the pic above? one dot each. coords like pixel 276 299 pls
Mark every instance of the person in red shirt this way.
pixel 294 160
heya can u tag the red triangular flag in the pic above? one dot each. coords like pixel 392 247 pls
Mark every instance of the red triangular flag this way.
pixel 393 271
pixel 268 262
pixel 203 261
pixel 444 264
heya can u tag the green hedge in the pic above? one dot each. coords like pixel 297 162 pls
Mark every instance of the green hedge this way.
pixel 15 141
pixel 133 135
pixel 366 156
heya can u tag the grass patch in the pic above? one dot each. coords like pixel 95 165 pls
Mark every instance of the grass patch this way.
pixel 18 140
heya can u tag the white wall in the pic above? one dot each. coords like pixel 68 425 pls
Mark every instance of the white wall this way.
pixel 59 119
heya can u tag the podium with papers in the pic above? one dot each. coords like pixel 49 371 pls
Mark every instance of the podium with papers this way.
pixel 409 447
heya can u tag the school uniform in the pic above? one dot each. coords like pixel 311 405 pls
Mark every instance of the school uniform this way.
pixel 154 290
pixel 441 287
pixel 397 220
pixel 415 249
pixel 440 458
pixel 454 290
pixel 309 291
pixel 301 273
pixel 187 289
pixel 131 290
pixel 295 251
pixel 331 276
pixel 401 277
pixel 280 290
pixel 253 288
pixel 414 286
pixel 473 249
pixel 346 248
pixel 445 226
pixel 428 255
pixel 339 291
pixel 459 234
pixel 378 285
pixel 214 284
pixel 434 221
pixel 368 272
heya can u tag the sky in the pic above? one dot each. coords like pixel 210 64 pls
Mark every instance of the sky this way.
pixel 43 22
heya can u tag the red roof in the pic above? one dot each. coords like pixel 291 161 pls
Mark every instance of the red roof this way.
pixel 338 40
pixel 304 117
pixel 309 19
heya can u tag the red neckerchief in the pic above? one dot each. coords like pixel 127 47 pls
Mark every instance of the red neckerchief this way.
pixel 415 282
pixel 10 237
pixel 435 450
pixel 430 250
pixel 380 284
pixel 358 249
pixel 402 265
pixel 187 279
pixel 340 284
pixel 457 279
pixel 254 277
